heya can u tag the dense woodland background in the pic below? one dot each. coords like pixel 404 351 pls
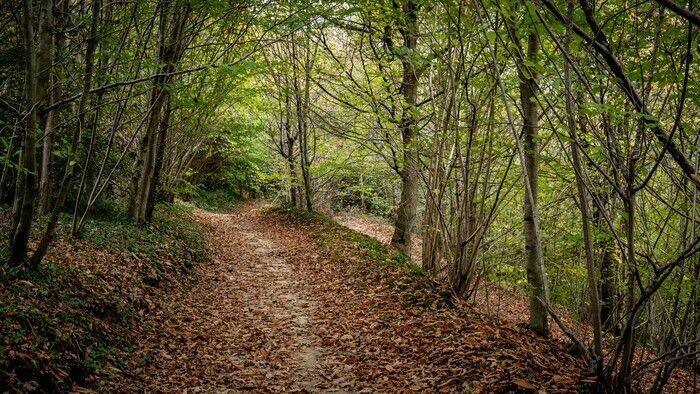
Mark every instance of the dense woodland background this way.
pixel 547 146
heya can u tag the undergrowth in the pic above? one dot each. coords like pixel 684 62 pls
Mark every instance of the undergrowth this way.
pixel 220 201
pixel 171 234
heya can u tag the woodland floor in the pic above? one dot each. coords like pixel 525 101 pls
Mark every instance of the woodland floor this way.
pixel 276 310
pixel 490 299
pixel 293 303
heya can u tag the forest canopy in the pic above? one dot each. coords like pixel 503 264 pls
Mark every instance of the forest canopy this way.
pixel 547 146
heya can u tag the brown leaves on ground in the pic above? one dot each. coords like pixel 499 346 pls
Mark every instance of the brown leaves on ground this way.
pixel 243 326
pixel 291 303
pixel 286 302
pixel 64 325
pixel 508 310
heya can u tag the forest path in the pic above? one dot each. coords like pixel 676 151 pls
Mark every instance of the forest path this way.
pixel 295 303
pixel 244 326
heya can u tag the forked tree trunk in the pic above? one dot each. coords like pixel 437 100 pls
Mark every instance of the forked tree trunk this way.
pixel 171 49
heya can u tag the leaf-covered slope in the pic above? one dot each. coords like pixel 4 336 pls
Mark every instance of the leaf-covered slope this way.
pixel 68 324
pixel 399 330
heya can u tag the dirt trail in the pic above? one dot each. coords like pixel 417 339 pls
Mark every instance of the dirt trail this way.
pixel 292 304
pixel 245 325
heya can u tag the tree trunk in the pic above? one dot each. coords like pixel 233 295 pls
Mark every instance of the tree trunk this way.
pixel 405 215
pixel 534 263
pixel 171 49
pixel 584 206
pixel 302 102
pixel 23 205
pixel 406 212
pixel 146 160
pixel 293 188
pixel 623 374
pixel 75 141
pixel 294 197
pixel 607 267
pixel 160 155
pixel 432 238
pixel 46 159
pixel 46 76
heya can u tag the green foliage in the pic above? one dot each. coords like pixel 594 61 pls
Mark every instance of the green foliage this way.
pixel 214 200
pixel 170 235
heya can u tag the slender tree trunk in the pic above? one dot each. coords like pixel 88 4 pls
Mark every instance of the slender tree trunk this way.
pixel 47 89
pixel 144 163
pixel 432 239
pixel 363 204
pixel 306 176
pixel 5 185
pixel 302 102
pixel 608 268
pixel 534 263
pixel 75 141
pixel 46 159
pixel 305 152
pixel 171 49
pixel 293 187
pixel 406 212
pixel 23 206
pixel 591 268
pixel 160 156
pixel 290 140
pixel 629 345
pixel 584 206
pixel 44 55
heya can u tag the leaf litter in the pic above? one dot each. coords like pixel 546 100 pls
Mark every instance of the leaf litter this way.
pixel 290 303
pixel 294 302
